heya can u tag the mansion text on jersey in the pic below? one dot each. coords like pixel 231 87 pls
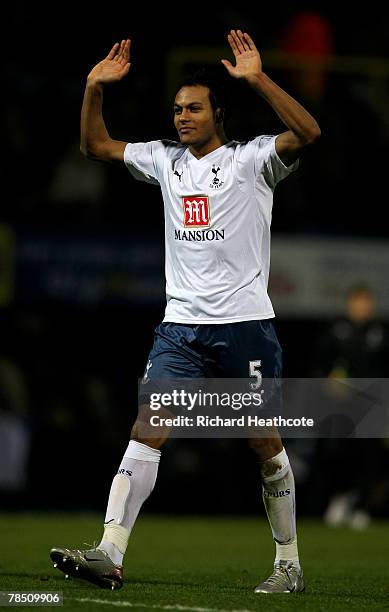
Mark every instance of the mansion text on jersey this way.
pixel 198 235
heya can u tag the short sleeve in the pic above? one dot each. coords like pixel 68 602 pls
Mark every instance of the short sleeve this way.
pixel 145 160
pixel 268 163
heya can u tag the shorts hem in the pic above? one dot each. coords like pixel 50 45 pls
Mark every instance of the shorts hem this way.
pixel 257 317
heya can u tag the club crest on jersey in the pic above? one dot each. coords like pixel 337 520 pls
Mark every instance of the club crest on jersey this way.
pixel 217 179
pixel 196 211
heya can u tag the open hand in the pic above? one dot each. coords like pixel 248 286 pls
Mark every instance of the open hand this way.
pixel 115 66
pixel 248 60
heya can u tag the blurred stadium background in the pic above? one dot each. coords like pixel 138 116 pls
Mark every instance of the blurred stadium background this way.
pixel 81 246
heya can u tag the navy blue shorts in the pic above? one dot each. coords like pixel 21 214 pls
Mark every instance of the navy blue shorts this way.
pixel 228 350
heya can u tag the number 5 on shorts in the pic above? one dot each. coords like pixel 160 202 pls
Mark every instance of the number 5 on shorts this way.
pixel 255 372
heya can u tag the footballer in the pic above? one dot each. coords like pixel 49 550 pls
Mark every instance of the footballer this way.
pixel 218 196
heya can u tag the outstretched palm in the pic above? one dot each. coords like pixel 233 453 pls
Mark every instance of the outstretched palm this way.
pixel 248 60
pixel 115 66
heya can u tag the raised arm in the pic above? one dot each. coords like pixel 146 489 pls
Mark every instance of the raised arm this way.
pixel 95 140
pixel 303 129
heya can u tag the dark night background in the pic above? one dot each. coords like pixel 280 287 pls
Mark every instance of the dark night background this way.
pixel 70 356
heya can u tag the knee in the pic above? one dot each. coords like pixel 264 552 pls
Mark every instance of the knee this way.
pixel 139 434
pixel 266 448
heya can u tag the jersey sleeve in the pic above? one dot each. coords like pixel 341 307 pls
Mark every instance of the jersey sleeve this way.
pixel 268 163
pixel 145 160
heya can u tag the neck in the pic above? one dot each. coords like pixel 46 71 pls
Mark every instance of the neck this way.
pixel 199 150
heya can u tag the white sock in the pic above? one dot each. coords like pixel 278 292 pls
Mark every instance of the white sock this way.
pixel 130 488
pixel 279 498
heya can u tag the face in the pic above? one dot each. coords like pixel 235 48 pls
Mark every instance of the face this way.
pixel 360 307
pixel 193 116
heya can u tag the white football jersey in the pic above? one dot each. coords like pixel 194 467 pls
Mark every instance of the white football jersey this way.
pixel 217 225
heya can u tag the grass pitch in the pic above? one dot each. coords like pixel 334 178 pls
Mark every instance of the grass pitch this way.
pixel 200 564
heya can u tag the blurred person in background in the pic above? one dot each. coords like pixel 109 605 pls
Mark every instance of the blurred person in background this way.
pixel 218 316
pixel 77 185
pixel 338 101
pixel 354 346
pixel 15 431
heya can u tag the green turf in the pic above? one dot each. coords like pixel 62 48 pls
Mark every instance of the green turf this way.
pixel 211 563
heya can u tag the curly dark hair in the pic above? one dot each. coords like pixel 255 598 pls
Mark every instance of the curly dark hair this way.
pixel 218 85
